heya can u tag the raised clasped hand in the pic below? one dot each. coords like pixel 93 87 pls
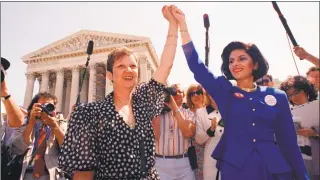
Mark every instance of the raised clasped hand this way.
pixel 166 12
pixel 177 14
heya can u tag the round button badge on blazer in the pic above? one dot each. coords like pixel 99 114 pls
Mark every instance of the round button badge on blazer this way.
pixel 270 100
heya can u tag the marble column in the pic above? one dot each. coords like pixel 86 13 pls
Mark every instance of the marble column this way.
pixel 92 84
pixel 74 86
pixel 45 81
pixel 29 89
pixel 67 97
pixel 52 85
pixel 84 90
pixel 143 68
pixel 59 88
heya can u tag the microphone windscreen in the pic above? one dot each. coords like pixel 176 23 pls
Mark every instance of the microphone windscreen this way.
pixel 90 47
pixel 206 21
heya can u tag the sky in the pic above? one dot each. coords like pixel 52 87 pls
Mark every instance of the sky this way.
pixel 29 26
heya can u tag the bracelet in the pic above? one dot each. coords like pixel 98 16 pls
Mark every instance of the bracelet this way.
pixel 6 97
pixel 183 30
pixel 172 35
pixel 171 45
pixel 175 112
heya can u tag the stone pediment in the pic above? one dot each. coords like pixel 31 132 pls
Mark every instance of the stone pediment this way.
pixel 78 43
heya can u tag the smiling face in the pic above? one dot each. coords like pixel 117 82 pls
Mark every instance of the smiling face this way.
pixel 196 95
pixel 241 64
pixel 124 71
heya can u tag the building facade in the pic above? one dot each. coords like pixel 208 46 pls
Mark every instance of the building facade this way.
pixel 59 67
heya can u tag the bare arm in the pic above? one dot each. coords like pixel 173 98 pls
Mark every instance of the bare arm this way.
pixel 186 126
pixel 14 114
pixel 83 175
pixel 169 51
pixel 303 54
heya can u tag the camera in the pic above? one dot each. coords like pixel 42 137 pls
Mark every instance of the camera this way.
pixel 48 108
pixel 168 91
pixel 5 64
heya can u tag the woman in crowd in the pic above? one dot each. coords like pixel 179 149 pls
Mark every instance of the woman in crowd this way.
pixel 196 100
pixel 207 118
pixel 113 138
pixel 301 91
pixel 252 115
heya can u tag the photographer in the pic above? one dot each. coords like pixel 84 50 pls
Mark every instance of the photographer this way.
pixel 39 139
pixel 173 130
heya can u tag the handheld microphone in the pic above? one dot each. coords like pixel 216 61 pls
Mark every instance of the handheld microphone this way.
pixel 285 24
pixel 206 25
pixel 89 52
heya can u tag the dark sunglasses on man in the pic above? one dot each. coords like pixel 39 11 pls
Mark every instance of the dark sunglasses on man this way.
pixel 262 81
pixel 198 92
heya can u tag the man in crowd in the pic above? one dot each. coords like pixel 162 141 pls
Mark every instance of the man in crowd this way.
pixel 173 131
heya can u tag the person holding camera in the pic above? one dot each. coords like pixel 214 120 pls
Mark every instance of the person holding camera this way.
pixel 173 129
pixel 39 140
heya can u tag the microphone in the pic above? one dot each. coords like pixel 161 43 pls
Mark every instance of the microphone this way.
pixel 89 52
pixel 206 21
pixel 90 47
pixel 206 25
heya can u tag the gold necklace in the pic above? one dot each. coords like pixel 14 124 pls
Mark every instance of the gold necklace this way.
pixel 249 89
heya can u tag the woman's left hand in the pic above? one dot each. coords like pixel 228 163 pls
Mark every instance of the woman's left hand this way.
pixel 306 132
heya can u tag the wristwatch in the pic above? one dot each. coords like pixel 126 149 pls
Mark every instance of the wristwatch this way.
pixel 6 97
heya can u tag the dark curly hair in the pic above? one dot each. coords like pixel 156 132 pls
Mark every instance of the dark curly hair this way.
pixel 300 83
pixel 253 51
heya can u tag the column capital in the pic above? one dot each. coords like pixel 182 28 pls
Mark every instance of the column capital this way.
pixel 75 68
pixel 60 71
pixel 44 73
pixel 30 75
pixel 143 59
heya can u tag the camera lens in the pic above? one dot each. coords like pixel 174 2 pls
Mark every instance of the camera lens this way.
pixel 49 107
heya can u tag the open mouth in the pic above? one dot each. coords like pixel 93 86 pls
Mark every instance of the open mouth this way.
pixel 128 78
pixel 237 70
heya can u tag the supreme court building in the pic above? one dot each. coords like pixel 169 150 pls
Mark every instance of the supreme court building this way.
pixel 58 67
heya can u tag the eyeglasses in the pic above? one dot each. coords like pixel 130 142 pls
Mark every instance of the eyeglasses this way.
pixel 294 93
pixel 262 81
pixel 199 92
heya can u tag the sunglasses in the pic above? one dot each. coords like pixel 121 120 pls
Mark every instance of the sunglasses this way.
pixel 262 81
pixel 199 92
pixel 294 93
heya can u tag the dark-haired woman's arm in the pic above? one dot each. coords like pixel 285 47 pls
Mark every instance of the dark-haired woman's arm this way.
pixel 216 86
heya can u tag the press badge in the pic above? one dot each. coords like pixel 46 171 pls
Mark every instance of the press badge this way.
pixel 270 100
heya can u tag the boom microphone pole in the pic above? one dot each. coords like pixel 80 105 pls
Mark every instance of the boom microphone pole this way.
pixel 89 52
pixel 285 24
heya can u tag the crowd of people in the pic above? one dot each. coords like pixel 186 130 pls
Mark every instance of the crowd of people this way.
pixel 214 130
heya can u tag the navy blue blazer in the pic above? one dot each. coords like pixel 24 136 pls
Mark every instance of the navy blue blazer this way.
pixel 255 119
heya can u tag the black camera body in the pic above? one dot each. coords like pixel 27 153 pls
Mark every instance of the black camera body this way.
pixel 47 108
pixel 168 91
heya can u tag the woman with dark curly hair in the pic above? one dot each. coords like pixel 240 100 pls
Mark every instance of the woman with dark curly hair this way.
pixel 301 91
pixel 252 115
